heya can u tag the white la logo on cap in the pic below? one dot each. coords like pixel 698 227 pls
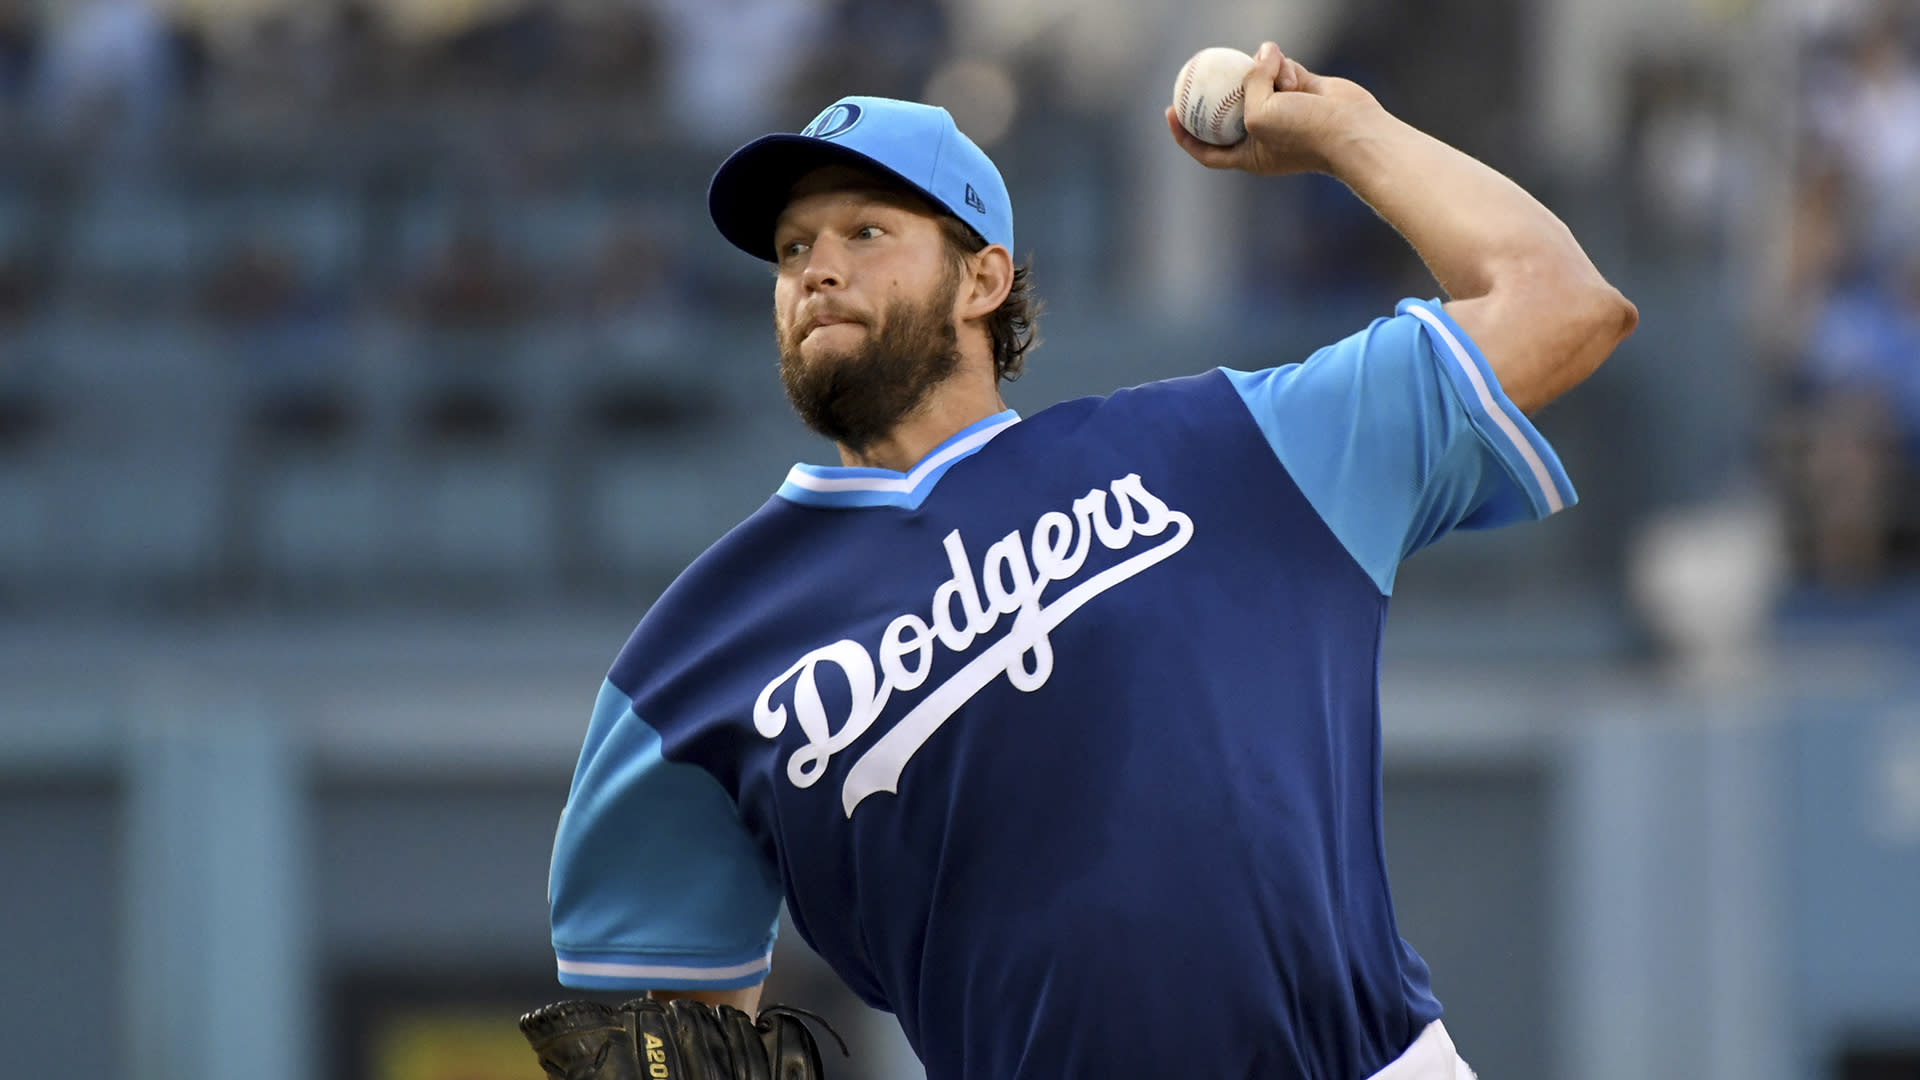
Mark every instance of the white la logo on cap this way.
pixel 836 121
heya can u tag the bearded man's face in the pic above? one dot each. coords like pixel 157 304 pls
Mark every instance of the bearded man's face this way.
pixel 864 307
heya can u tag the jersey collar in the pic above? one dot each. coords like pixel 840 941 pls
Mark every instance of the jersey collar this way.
pixel 850 486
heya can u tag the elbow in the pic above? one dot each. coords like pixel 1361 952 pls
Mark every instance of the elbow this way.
pixel 1589 316
pixel 1622 317
pixel 1549 326
pixel 1595 318
pixel 1609 318
pixel 1598 317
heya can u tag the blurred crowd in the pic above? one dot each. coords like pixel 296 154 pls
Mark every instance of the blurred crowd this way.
pixel 288 196
pixel 293 166
pixel 384 230
pixel 1847 341
pixel 265 195
pixel 92 66
pixel 416 130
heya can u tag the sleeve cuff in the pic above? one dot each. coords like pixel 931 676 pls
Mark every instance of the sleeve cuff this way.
pixel 661 971
pixel 1525 453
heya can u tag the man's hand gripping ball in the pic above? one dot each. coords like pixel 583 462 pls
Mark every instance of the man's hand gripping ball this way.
pixel 680 1039
pixel 1293 118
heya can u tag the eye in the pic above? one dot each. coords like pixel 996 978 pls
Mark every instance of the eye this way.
pixel 869 232
pixel 791 249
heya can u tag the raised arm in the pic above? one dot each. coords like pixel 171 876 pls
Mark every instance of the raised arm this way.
pixel 1516 279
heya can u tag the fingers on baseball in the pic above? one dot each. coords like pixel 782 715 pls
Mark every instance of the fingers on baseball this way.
pixel 1264 76
pixel 1213 157
pixel 1274 70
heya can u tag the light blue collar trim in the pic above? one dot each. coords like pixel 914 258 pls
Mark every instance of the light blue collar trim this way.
pixel 850 486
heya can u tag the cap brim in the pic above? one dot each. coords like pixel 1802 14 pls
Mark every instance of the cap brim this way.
pixel 752 186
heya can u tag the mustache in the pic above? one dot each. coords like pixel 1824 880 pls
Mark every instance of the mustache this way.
pixel 795 331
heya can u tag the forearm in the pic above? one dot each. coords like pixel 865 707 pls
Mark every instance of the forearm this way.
pixel 1517 280
pixel 1473 227
pixel 746 999
pixel 1518 283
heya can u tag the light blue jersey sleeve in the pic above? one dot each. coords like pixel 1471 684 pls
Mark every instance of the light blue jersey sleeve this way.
pixel 1401 434
pixel 655 883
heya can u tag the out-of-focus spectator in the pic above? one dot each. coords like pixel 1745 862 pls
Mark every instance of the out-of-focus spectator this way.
pixel 254 282
pixel 1810 247
pixel 615 49
pixel 637 302
pixel 362 65
pixel 282 322
pixel 20 288
pixel 274 58
pixel 884 47
pixel 18 43
pixel 1818 230
pixel 1849 316
pixel 473 283
pixel 1863 367
pixel 629 274
pixel 731 62
pixel 517 48
pixel 1685 163
pixel 107 70
pixel 1868 115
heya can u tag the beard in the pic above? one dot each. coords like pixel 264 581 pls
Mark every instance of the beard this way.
pixel 857 396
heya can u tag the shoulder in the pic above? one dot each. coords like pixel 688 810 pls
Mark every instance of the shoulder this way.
pixel 1159 405
pixel 756 565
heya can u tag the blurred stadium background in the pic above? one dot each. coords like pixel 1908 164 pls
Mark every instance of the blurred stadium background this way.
pixel 367 367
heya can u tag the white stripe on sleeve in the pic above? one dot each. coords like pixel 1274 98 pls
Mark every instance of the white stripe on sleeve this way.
pixel 1507 427
pixel 663 971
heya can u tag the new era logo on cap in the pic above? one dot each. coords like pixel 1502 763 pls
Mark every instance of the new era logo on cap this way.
pixel 974 200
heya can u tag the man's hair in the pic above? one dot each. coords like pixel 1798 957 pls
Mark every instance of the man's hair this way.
pixel 1012 326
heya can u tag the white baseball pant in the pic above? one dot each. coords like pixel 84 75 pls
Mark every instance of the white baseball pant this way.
pixel 1431 1057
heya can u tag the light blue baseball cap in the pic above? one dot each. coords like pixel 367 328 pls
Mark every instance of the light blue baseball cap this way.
pixel 918 145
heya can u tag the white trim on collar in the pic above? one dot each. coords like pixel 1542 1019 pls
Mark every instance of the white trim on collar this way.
pixel 885 480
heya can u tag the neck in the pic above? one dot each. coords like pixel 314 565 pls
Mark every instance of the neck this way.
pixel 952 406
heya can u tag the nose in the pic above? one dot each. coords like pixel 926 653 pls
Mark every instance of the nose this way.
pixel 823 270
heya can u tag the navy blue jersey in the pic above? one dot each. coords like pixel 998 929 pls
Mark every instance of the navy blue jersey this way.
pixel 1080 713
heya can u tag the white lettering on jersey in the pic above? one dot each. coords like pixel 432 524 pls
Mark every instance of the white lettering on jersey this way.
pixel 1014 571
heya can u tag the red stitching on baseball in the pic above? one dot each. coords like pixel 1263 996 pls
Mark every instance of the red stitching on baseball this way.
pixel 1226 105
pixel 1186 84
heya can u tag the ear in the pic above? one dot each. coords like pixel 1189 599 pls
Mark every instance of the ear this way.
pixel 987 279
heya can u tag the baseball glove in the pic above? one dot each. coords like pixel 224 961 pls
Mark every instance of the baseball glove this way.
pixel 680 1039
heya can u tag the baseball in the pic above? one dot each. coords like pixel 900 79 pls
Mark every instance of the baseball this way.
pixel 1208 96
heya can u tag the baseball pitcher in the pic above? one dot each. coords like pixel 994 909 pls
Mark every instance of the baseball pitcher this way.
pixel 1057 734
